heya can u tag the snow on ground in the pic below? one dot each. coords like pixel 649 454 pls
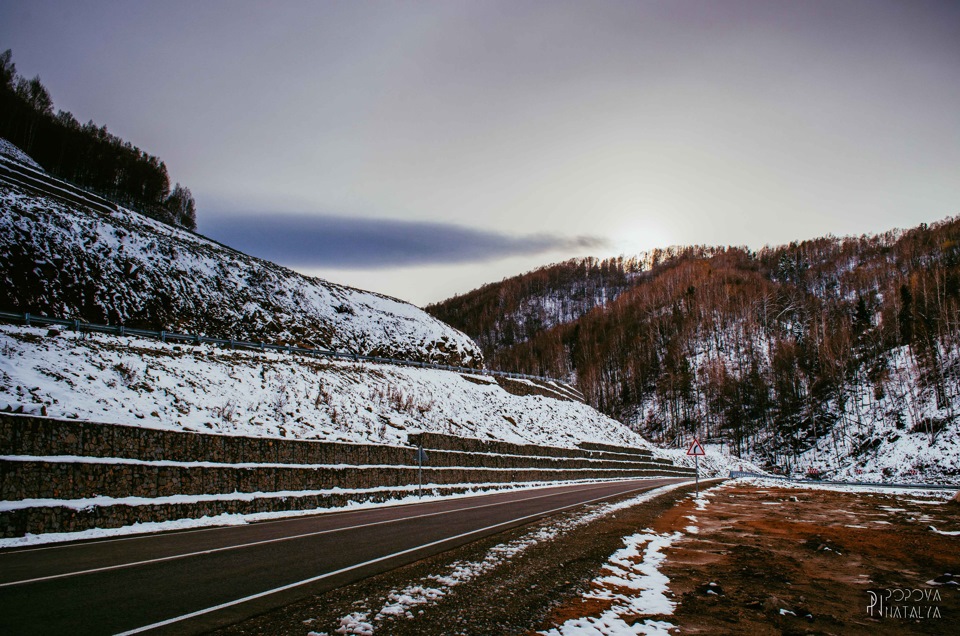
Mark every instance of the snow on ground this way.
pixel 431 492
pixel 633 586
pixel 204 388
pixel 716 463
pixel 765 482
pixel 403 603
pixel 898 430
pixel 905 436
pixel 265 394
pixel 9 151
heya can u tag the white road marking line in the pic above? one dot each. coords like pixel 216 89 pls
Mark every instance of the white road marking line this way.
pixel 314 579
pixel 174 557
pixel 292 519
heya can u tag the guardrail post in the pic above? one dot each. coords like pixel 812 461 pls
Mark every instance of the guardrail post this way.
pixel 26 319
pixel 76 325
pixel 122 331
pixel 163 336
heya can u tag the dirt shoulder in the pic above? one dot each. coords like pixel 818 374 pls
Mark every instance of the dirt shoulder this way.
pixel 771 560
pixel 505 584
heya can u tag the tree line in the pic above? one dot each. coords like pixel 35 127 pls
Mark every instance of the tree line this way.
pixel 87 155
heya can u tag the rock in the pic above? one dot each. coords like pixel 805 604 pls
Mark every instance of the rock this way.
pixel 710 589
pixel 772 604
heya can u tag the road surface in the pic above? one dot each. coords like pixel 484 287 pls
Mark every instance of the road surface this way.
pixel 191 581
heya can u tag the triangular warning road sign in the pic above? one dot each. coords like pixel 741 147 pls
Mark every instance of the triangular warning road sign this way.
pixel 696 448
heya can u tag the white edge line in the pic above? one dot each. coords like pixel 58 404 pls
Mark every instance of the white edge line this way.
pixel 239 546
pixel 288 515
pixel 254 519
pixel 314 579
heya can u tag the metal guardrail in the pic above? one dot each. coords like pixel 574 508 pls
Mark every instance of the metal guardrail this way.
pixel 172 336
pixel 734 474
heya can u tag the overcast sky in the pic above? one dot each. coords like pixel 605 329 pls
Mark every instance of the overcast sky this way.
pixel 421 149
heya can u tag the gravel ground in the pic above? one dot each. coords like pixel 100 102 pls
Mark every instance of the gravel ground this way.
pixel 772 560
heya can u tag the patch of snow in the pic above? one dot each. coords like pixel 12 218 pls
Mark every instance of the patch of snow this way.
pixel 935 496
pixel 9 151
pixel 635 586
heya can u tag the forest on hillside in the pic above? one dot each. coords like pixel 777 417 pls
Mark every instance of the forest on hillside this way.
pixel 87 155
pixel 772 351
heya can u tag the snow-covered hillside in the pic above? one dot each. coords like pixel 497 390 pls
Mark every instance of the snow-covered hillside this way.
pixel 202 388
pixel 837 355
pixel 66 260
pixel 9 151
pixel 118 267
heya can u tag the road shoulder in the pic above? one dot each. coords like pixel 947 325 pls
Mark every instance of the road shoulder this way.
pixel 545 564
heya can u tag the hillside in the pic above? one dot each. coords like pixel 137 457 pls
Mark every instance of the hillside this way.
pixel 503 314
pixel 833 354
pixel 65 253
pixel 115 266
pixel 155 385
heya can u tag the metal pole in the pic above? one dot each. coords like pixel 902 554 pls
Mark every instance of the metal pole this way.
pixel 696 462
pixel 420 469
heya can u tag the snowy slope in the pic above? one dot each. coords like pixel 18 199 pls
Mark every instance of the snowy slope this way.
pixel 155 385
pixel 901 436
pixel 9 151
pixel 64 260
pixel 233 392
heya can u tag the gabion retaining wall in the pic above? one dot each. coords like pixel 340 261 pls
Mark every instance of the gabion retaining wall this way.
pixel 50 459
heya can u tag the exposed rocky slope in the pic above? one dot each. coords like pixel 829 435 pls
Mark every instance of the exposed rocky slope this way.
pixel 66 259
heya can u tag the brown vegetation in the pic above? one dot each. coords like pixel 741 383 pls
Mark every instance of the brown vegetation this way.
pixel 775 344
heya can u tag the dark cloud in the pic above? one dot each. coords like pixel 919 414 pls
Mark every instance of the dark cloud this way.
pixel 308 241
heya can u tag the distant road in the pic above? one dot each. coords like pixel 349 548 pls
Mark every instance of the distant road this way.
pixel 192 581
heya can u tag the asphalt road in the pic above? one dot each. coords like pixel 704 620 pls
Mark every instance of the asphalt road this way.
pixel 191 581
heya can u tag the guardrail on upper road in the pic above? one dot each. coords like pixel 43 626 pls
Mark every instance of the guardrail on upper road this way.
pixel 172 336
pixel 734 474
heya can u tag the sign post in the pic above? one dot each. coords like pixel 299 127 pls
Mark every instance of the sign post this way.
pixel 696 449
pixel 421 459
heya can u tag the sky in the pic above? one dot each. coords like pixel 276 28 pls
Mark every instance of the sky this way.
pixel 422 149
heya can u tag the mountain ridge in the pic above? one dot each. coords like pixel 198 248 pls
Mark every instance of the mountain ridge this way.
pixel 818 355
